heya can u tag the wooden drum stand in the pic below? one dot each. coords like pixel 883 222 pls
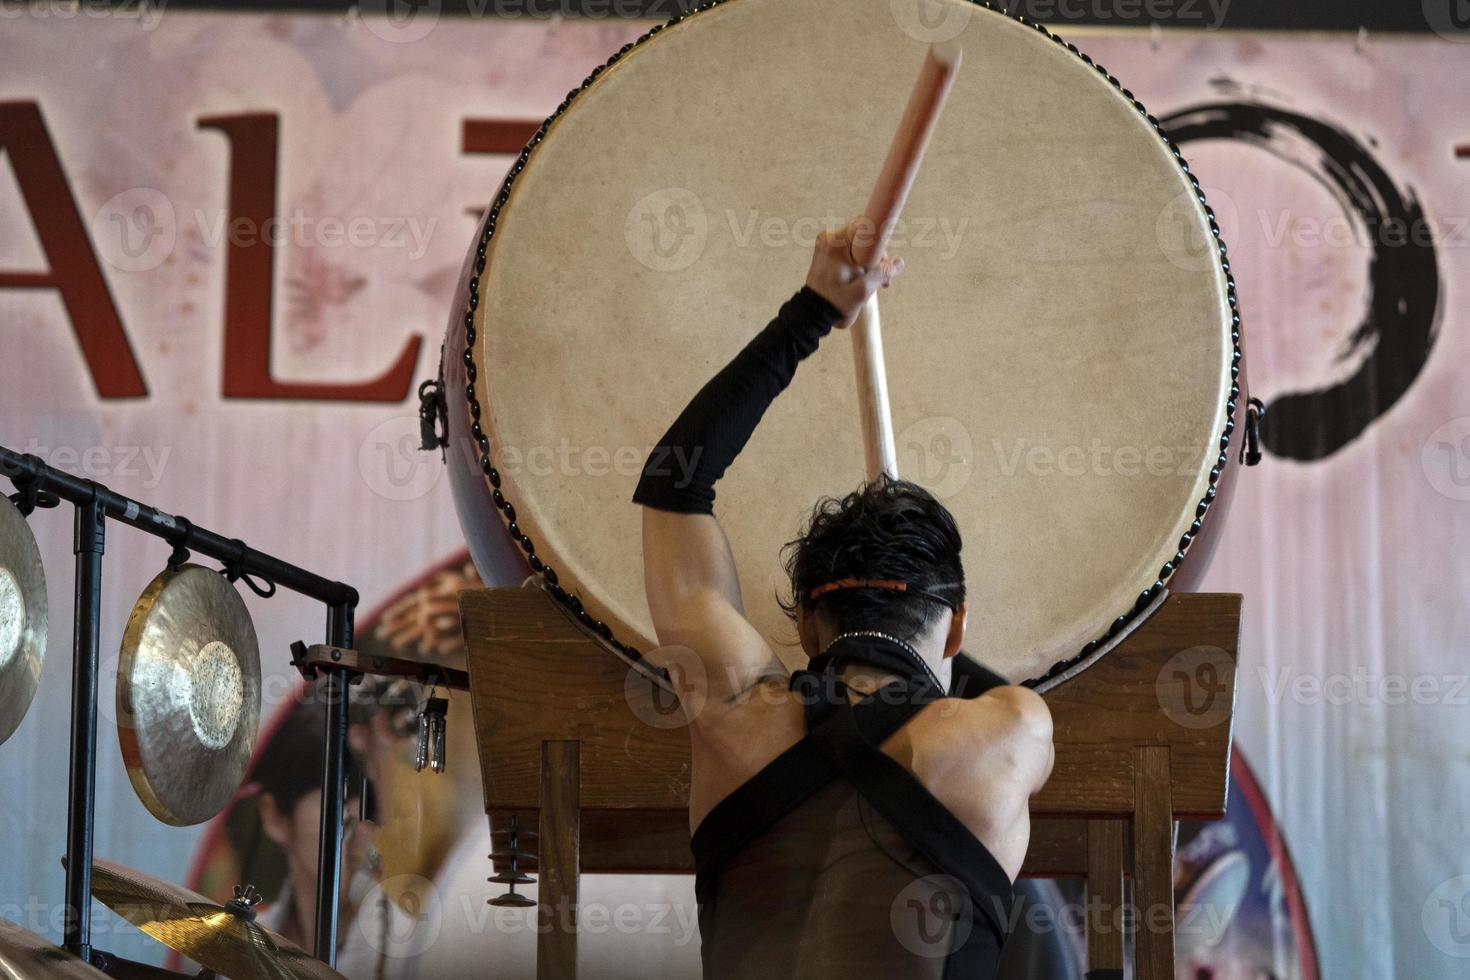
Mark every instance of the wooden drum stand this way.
pixel 567 747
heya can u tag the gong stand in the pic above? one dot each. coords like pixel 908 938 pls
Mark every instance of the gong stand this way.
pixel 40 485
pixel 591 750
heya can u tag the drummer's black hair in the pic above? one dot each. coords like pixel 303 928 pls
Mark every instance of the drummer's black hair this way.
pixel 887 529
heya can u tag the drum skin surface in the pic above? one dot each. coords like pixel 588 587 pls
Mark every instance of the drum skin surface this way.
pixel 1061 348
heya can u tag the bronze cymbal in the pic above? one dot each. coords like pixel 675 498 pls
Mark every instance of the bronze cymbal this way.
pixel 222 938
pixel 26 956
pixel 22 617
pixel 188 694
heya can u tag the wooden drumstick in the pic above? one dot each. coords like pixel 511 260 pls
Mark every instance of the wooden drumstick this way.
pixel 885 204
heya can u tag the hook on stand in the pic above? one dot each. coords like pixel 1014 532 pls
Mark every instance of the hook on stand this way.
pixel 261 585
pixel 182 543
pixel 28 494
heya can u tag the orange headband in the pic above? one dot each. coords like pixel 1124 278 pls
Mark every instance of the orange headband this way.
pixel 876 583
pixel 857 583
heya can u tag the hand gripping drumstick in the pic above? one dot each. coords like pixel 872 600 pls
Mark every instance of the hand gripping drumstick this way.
pixel 885 204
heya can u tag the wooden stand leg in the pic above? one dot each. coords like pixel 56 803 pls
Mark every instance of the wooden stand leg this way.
pixel 1105 899
pixel 1153 866
pixel 559 857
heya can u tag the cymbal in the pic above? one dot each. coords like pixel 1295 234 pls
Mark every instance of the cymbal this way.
pixel 188 694
pixel 26 956
pixel 222 938
pixel 22 617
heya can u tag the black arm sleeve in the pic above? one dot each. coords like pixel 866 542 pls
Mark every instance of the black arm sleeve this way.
pixel 969 678
pixel 681 472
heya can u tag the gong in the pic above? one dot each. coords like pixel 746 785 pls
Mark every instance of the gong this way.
pixel 188 694
pixel 22 617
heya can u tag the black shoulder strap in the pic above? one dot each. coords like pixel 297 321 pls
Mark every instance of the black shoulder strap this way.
pixel 913 811
pixel 790 779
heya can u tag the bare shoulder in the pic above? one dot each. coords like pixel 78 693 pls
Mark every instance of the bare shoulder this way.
pixel 1002 737
pixel 1018 709
pixel 984 759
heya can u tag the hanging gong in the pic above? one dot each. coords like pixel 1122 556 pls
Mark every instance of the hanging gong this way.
pixel 188 694
pixel 22 617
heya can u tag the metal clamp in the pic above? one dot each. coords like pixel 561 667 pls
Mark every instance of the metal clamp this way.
pixel 25 474
pixel 433 416
pixel 1255 411
pixel 309 659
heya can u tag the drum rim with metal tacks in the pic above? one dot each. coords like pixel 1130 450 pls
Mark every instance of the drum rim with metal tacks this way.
pixel 477 416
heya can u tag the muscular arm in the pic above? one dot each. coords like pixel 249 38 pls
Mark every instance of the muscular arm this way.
pixel 689 573
pixel 694 597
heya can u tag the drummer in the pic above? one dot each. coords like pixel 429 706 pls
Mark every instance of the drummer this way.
pixel 868 815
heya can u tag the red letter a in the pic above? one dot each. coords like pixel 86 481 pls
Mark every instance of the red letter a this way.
pixel 73 271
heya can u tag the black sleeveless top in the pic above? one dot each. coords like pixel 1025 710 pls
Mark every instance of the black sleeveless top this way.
pixel 835 862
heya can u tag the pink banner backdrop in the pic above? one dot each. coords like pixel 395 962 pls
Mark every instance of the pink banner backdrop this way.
pixel 151 343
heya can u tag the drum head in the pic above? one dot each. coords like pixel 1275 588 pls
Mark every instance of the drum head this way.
pixel 1059 348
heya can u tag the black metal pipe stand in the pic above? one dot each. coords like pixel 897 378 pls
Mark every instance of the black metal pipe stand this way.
pixel 95 504
pixel 334 688
pixel 89 540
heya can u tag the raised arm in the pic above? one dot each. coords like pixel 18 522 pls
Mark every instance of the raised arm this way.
pixel 689 572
